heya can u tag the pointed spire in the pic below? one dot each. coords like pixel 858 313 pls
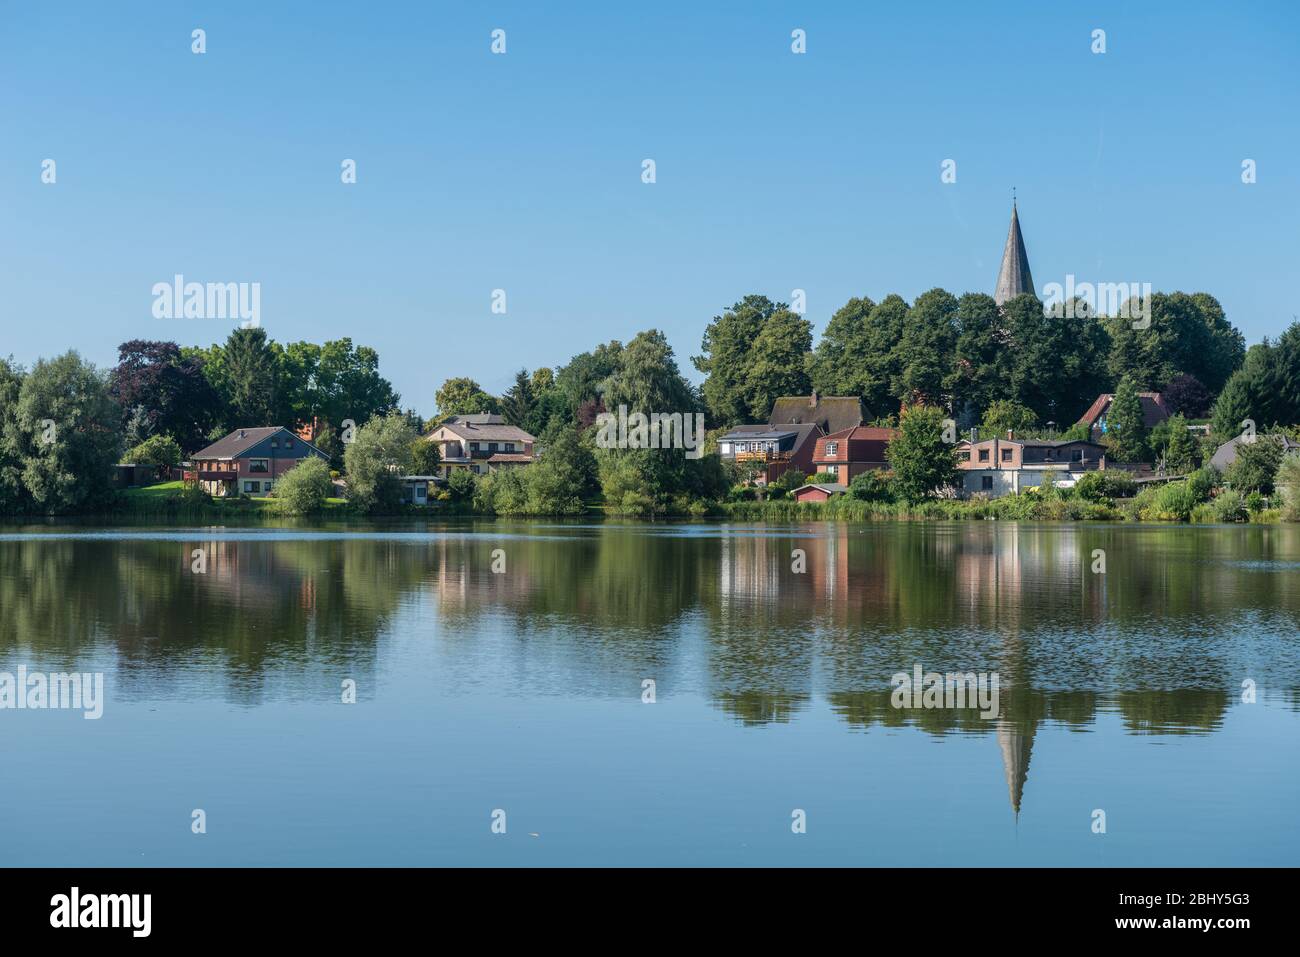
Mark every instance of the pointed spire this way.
pixel 1013 277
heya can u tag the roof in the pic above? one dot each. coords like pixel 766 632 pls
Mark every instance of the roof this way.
pixel 1013 275
pixel 865 443
pixel 478 418
pixel 510 457
pixel 831 413
pixel 1226 453
pixel 241 440
pixel 830 488
pixel 758 432
pixel 1154 410
pixel 481 431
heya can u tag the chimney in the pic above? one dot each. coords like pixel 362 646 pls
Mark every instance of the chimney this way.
pixel 242 433
pixel 812 399
pixel 1011 435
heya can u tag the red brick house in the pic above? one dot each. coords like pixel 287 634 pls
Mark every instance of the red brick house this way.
pixel 248 461
pixel 789 438
pixel 850 452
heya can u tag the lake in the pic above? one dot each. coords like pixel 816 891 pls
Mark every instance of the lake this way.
pixel 502 675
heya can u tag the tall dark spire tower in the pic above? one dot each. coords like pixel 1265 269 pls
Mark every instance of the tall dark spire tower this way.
pixel 1013 277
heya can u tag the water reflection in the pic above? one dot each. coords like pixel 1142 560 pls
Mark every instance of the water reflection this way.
pixel 1164 637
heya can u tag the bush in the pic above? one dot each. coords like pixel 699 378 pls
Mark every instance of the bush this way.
pixel 871 486
pixel 304 488
pixel 155 450
pixel 1256 464
pixel 1228 506
pixel 822 478
pixel 461 484
pixel 193 495
pixel 379 452
pixel 1287 483
pixel 1105 484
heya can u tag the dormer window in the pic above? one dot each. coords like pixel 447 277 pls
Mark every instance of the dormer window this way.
pixel 832 448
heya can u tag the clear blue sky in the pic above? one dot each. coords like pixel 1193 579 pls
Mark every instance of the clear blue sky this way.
pixel 522 171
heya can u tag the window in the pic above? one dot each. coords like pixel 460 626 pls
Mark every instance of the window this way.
pixel 275 443
pixel 509 446
pixel 1006 455
pixel 256 466
pixel 288 443
pixel 986 483
pixel 250 487
pixel 492 446
pixel 266 486
pixel 1076 455
pixel 832 448
pixel 473 446
pixel 984 455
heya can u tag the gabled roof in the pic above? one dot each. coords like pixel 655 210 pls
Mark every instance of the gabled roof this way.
pixel 830 488
pixel 831 413
pixel 483 431
pixel 1013 275
pixel 1226 453
pixel 1154 410
pixel 241 440
pixel 478 418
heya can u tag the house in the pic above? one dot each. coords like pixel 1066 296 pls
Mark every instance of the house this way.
pixel 415 488
pixel 996 467
pixel 481 443
pixel 1154 411
pixel 1226 453
pixel 788 440
pixel 775 448
pixel 248 461
pixel 818 491
pixel 850 452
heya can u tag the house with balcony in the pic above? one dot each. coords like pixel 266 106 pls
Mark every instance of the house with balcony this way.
pixel 1007 466
pixel 788 439
pixel 850 452
pixel 248 461
pixel 770 449
pixel 481 443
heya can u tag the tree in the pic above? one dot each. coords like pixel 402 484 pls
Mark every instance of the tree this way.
pixel 425 457
pixel 1056 358
pixel 925 351
pixel 857 354
pixel 872 485
pixel 304 488
pixel 922 462
pixel 1184 393
pixel 1187 333
pixel 648 379
pixel 982 360
pixel 1256 465
pixel 1266 389
pixel 160 450
pixel 250 375
pixel 13 494
pixel 66 432
pixel 1180 451
pixel 380 452
pixel 1126 432
pixel 724 358
pixel 1287 483
pixel 776 363
pixel 519 403
pixel 1005 415
pixel 463 396
pixel 162 390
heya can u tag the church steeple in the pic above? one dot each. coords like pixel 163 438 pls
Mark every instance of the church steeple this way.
pixel 1013 277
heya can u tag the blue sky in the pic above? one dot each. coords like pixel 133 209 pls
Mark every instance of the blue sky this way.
pixel 775 171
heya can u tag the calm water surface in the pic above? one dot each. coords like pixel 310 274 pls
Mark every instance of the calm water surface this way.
pixel 522 691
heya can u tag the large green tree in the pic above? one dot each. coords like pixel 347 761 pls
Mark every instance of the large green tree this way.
pixel 463 396
pixel 922 461
pixel 776 363
pixel 66 432
pixel 1126 431
pixel 926 349
pixel 1265 390
pixel 380 451
pixel 724 358
pixel 250 378
pixel 1187 333
pixel 1056 360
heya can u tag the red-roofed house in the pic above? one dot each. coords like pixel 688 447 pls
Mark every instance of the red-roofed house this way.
pixel 1154 411
pixel 850 452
